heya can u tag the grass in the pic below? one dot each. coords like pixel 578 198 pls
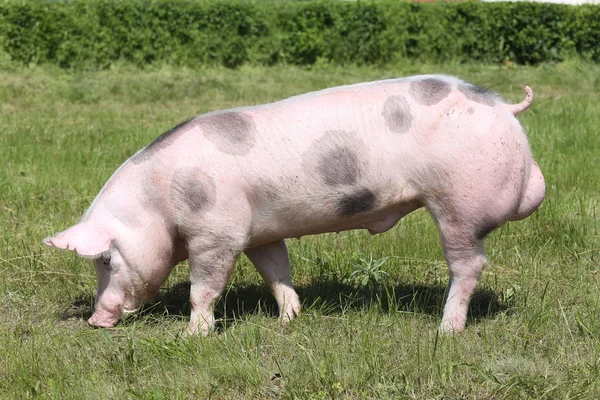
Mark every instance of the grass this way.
pixel 369 324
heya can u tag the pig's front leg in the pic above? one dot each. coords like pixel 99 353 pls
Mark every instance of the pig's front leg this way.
pixel 466 259
pixel 211 264
pixel 272 262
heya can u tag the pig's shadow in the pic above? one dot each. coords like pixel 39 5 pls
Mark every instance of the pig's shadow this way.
pixel 329 298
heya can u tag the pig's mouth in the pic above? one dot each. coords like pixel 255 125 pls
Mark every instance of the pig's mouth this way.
pixel 128 312
pixel 107 319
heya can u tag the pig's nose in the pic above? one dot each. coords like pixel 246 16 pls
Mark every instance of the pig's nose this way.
pixel 103 319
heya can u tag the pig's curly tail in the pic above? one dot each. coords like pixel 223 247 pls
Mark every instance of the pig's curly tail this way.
pixel 517 109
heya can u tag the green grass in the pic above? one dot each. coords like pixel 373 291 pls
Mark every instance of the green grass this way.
pixel 533 331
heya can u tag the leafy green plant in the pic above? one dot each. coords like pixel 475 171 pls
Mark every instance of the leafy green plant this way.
pixel 367 271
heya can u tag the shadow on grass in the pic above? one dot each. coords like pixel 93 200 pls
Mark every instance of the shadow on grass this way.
pixel 327 298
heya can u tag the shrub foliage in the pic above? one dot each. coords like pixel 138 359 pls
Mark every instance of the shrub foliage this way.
pixel 97 33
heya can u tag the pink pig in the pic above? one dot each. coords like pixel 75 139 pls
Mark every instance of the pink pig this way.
pixel 350 157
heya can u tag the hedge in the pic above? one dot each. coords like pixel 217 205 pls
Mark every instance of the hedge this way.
pixel 98 33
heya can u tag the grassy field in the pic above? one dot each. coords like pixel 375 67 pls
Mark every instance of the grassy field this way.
pixel 372 305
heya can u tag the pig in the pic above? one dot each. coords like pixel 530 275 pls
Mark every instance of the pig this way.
pixel 360 156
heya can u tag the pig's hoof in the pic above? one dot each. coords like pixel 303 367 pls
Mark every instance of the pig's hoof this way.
pixel 288 317
pixel 195 331
pixel 448 329
pixel 290 313
pixel 290 309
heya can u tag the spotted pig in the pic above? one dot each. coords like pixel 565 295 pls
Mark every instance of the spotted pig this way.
pixel 351 157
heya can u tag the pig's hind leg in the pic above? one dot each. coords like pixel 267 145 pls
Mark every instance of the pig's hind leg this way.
pixel 462 241
pixel 272 262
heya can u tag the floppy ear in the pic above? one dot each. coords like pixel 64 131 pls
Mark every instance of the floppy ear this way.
pixel 86 238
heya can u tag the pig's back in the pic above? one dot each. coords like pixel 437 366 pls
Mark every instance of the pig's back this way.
pixel 335 153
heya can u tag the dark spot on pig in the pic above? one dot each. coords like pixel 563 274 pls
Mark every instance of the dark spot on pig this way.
pixel 231 132
pixel 359 201
pixel 471 110
pixel 161 142
pixel 478 94
pixel 429 91
pixel 396 112
pixel 192 190
pixel 339 166
pixel 336 158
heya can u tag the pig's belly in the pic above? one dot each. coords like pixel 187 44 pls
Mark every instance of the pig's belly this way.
pixel 283 227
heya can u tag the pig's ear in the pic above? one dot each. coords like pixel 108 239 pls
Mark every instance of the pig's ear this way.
pixel 85 238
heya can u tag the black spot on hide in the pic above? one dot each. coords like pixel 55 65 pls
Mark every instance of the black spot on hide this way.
pixel 231 132
pixel 362 200
pixel 479 94
pixel 339 166
pixel 429 91
pixel 192 190
pixel 396 113
pixel 337 158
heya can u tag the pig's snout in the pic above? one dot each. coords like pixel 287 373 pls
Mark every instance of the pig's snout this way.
pixel 533 195
pixel 103 319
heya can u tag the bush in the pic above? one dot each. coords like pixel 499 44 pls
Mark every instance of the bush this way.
pixel 97 33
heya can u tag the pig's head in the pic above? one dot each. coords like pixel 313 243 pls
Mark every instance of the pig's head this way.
pixel 121 291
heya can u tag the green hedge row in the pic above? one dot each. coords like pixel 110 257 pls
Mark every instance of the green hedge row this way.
pixel 97 33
